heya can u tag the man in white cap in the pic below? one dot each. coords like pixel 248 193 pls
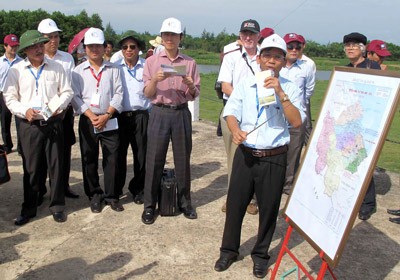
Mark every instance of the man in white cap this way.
pixel 259 164
pixel 31 85
pixel 98 96
pixel 169 118
pixel 50 30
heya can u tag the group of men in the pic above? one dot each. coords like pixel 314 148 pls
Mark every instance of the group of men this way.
pixel 131 102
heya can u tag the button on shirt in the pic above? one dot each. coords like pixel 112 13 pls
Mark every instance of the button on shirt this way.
pixel 243 106
pixel 20 89
pixel 84 86
pixel 133 85
pixel 171 90
pixel 5 65
pixel 234 67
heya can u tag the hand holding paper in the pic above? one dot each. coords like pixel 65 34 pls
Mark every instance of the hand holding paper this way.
pixel 169 70
pixel 266 96
pixel 51 107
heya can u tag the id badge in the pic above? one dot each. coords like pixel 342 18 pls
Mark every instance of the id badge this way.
pixel 252 138
pixel 95 101
pixel 36 102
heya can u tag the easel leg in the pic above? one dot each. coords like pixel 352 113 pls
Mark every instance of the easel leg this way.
pixel 282 252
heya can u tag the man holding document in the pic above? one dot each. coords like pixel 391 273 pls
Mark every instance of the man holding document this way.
pixel 258 114
pixel 98 96
pixel 37 91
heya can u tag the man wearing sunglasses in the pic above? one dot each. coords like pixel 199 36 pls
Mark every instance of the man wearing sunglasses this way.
pixel 134 117
pixel 50 30
pixel 303 76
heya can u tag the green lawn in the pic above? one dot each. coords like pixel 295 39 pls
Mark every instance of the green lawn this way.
pixel 210 108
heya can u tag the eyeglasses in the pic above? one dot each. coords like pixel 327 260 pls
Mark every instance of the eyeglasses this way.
pixel 268 56
pixel 132 47
pixel 293 46
pixel 352 45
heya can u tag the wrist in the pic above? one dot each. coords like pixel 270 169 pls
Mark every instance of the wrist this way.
pixel 109 115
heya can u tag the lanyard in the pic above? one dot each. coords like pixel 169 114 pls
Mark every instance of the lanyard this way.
pixel 132 71
pixel 37 77
pixel 98 78
pixel 259 111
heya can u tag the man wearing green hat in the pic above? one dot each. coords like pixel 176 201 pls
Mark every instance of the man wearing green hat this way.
pixel 37 91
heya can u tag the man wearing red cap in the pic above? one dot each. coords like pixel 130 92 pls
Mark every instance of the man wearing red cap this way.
pixel 9 59
pixel 377 51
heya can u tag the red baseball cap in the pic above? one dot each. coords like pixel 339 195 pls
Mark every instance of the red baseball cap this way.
pixel 265 32
pixel 293 37
pixel 11 40
pixel 379 47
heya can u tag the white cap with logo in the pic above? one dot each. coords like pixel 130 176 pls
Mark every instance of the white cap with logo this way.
pixel 48 26
pixel 171 25
pixel 274 41
pixel 94 36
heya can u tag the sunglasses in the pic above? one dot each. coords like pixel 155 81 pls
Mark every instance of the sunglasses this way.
pixel 293 46
pixel 132 47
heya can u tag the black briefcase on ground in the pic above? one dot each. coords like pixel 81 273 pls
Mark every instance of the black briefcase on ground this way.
pixel 167 199
pixel 4 173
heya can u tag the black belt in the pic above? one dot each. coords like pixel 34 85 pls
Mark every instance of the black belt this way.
pixel 133 113
pixel 51 120
pixel 265 152
pixel 172 106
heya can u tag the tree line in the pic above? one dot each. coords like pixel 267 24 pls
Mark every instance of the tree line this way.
pixel 17 22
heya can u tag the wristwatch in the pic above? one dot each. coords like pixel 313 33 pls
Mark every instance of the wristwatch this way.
pixel 285 98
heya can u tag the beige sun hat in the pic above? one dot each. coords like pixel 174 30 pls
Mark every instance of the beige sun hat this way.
pixel 156 42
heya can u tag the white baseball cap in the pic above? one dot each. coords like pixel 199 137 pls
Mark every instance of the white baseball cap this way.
pixel 274 41
pixel 48 26
pixel 94 36
pixel 171 25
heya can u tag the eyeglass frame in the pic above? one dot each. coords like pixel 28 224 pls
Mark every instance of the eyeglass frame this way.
pixel 132 47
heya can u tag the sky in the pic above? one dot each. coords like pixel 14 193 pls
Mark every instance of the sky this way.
pixel 318 20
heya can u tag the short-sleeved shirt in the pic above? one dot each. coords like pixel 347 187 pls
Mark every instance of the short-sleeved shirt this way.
pixel 171 90
pixel 5 65
pixel 84 84
pixel 242 104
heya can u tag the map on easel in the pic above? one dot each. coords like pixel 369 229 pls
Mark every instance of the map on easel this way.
pixel 335 173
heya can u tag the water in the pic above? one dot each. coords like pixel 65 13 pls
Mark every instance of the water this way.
pixel 207 69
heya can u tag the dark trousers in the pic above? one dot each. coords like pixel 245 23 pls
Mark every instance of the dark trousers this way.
pixel 89 144
pixel 265 177
pixel 5 119
pixel 369 202
pixel 308 124
pixel 165 125
pixel 133 132
pixel 39 144
pixel 294 153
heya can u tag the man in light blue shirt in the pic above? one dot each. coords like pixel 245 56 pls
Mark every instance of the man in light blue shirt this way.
pixel 134 117
pixel 259 164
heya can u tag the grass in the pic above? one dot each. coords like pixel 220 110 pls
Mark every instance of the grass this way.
pixel 210 108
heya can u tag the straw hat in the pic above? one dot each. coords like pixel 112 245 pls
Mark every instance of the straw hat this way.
pixel 156 42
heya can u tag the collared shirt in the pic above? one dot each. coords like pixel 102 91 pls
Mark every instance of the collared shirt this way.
pixel 133 85
pixel 234 67
pixel 20 89
pixel 309 62
pixel 84 85
pixel 368 64
pixel 171 90
pixel 303 76
pixel 242 104
pixel 66 60
pixel 5 65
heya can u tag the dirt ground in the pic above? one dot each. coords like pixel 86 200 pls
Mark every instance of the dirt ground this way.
pixel 113 245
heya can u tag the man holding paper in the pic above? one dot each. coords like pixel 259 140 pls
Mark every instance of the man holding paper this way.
pixel 259 164
pixel 98 95
pixel 36 91
pixel 171 79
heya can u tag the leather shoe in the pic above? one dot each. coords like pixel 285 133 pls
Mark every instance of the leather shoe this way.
pixel 148 216
pixel 138 198
pixel 70 193
pixel 260 270
pixel 22 220
pixel 395 220
pixel 59 217
pixel 223 263
pixel 115 205
pixel 96 207
pixel 365 215
pixel 394 212
pixel 189 212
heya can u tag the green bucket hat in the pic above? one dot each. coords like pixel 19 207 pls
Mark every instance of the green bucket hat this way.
pixel 30 38
pixel 132 35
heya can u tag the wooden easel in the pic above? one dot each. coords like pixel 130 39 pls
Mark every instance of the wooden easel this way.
pixel 285 249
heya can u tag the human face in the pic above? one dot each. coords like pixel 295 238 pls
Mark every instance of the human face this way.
pixel 249 39
pixel 353 50
pixel 108 50
pixel 10 51
pixel 375 57
pixel 51 46
pixel 95 52
pixel 271 59
pixel 293 50
pixel 130 50
pixel 171 40
pixel 35 54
